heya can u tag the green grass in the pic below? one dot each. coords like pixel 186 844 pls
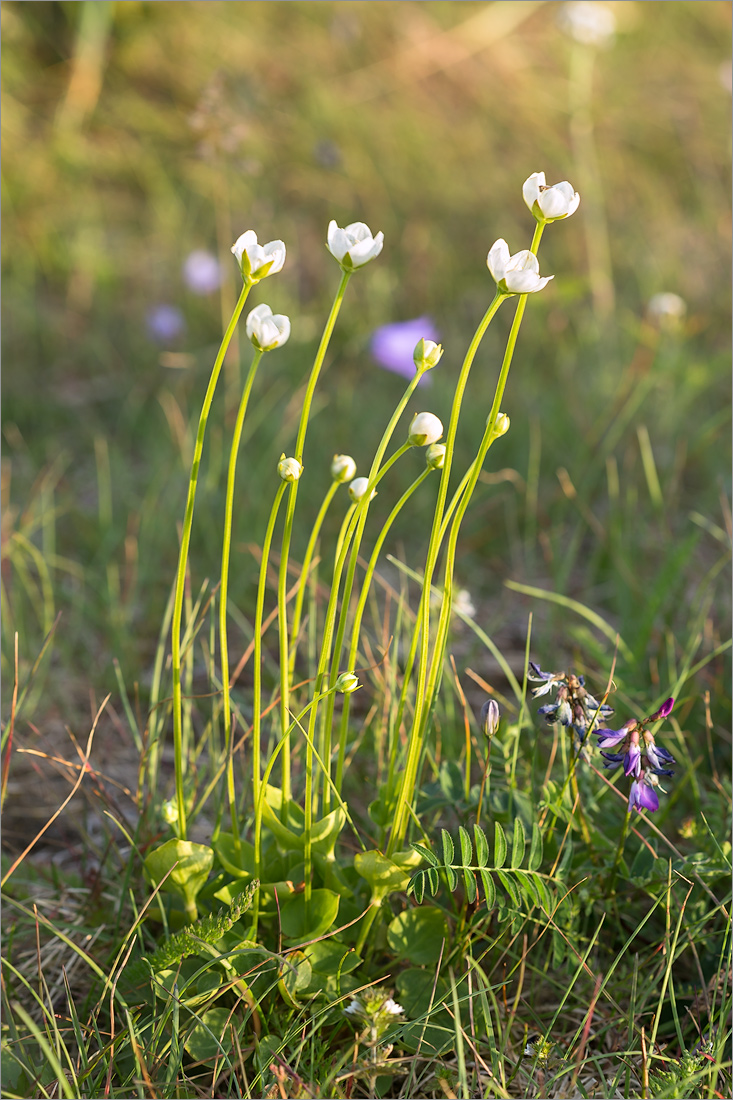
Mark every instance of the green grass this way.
pixel 133 133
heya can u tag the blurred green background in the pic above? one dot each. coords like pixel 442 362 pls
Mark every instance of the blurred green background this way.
pixel 135 133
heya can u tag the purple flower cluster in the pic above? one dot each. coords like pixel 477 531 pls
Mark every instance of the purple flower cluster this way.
pixel 573 707
pixel 642 759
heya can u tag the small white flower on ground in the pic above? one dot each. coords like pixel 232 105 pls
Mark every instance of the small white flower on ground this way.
pixel 517 274
pixel 343 468
pixel 435 456
pixel 201 272
pixel 267 330
pixel 289 469
pixel 463 603
pixel 353 246
pixel 425 428
pixel 591 24
pixel 355 1006
pixel 358 488
pixel 667 307
pixel 391 1006
pixel 549 203
pixel 257 261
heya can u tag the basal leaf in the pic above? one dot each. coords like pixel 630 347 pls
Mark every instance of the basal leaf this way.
pixel 418 935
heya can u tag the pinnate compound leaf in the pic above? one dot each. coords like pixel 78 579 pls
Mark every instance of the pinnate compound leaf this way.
pixel 416 886
pixel 489 890
pixel 470 883
pixel 499 845
pixel 433 880
pixel 544 894
pixel 452 878
pixel 482 846
pixel 535 849
pixel 466 847
pixel 448 848
pixel 518 843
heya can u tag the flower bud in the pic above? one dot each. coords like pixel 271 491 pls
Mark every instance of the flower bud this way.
pixel 664 710
pixel 427 354
pixel 490 715
pixel 435 456
pixel 358 487
pixel 347 682
pixel 343 468
pixel 289 468
pixel 425 428
pixel 501 425
pixel 267 330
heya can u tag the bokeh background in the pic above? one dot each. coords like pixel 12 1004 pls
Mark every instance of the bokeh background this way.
pixel 135 134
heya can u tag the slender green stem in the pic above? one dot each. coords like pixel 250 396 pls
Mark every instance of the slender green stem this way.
pixel 223 594
pixel 424 700
pixel 288 530
pixel 305 570
pixel 619 854
pixel 356 627
pixel 257 653
pixel 183 560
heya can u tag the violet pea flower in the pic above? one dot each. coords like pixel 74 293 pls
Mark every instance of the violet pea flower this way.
pixel 642 796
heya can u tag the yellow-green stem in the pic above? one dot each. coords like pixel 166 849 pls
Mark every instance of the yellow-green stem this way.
pixel 257 652
pixel 183 560
pixel 223 593
pixel 288 530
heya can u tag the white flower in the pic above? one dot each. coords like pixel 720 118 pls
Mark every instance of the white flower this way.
pixel 289 468
pixel 267 330
pixel 667 309
pixel 353 246
pixel 435 456
pixel 257 261
pixel 425 428
pixel 355 1006
pixel 427 354
pixel 549 203
pixel 517 274
pixel 463 603
pixel 591 24
pixel 343 468
pixel 391 1006
pixel 358 487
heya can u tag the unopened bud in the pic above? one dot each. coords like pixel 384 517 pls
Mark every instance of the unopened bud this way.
pixel 427 354
pixel 501 424
pixel 435 456
pixel 347 682
pixel 426 428
pixel 343 468
pixel 289 468
pixel 490 715
pixel 358 488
